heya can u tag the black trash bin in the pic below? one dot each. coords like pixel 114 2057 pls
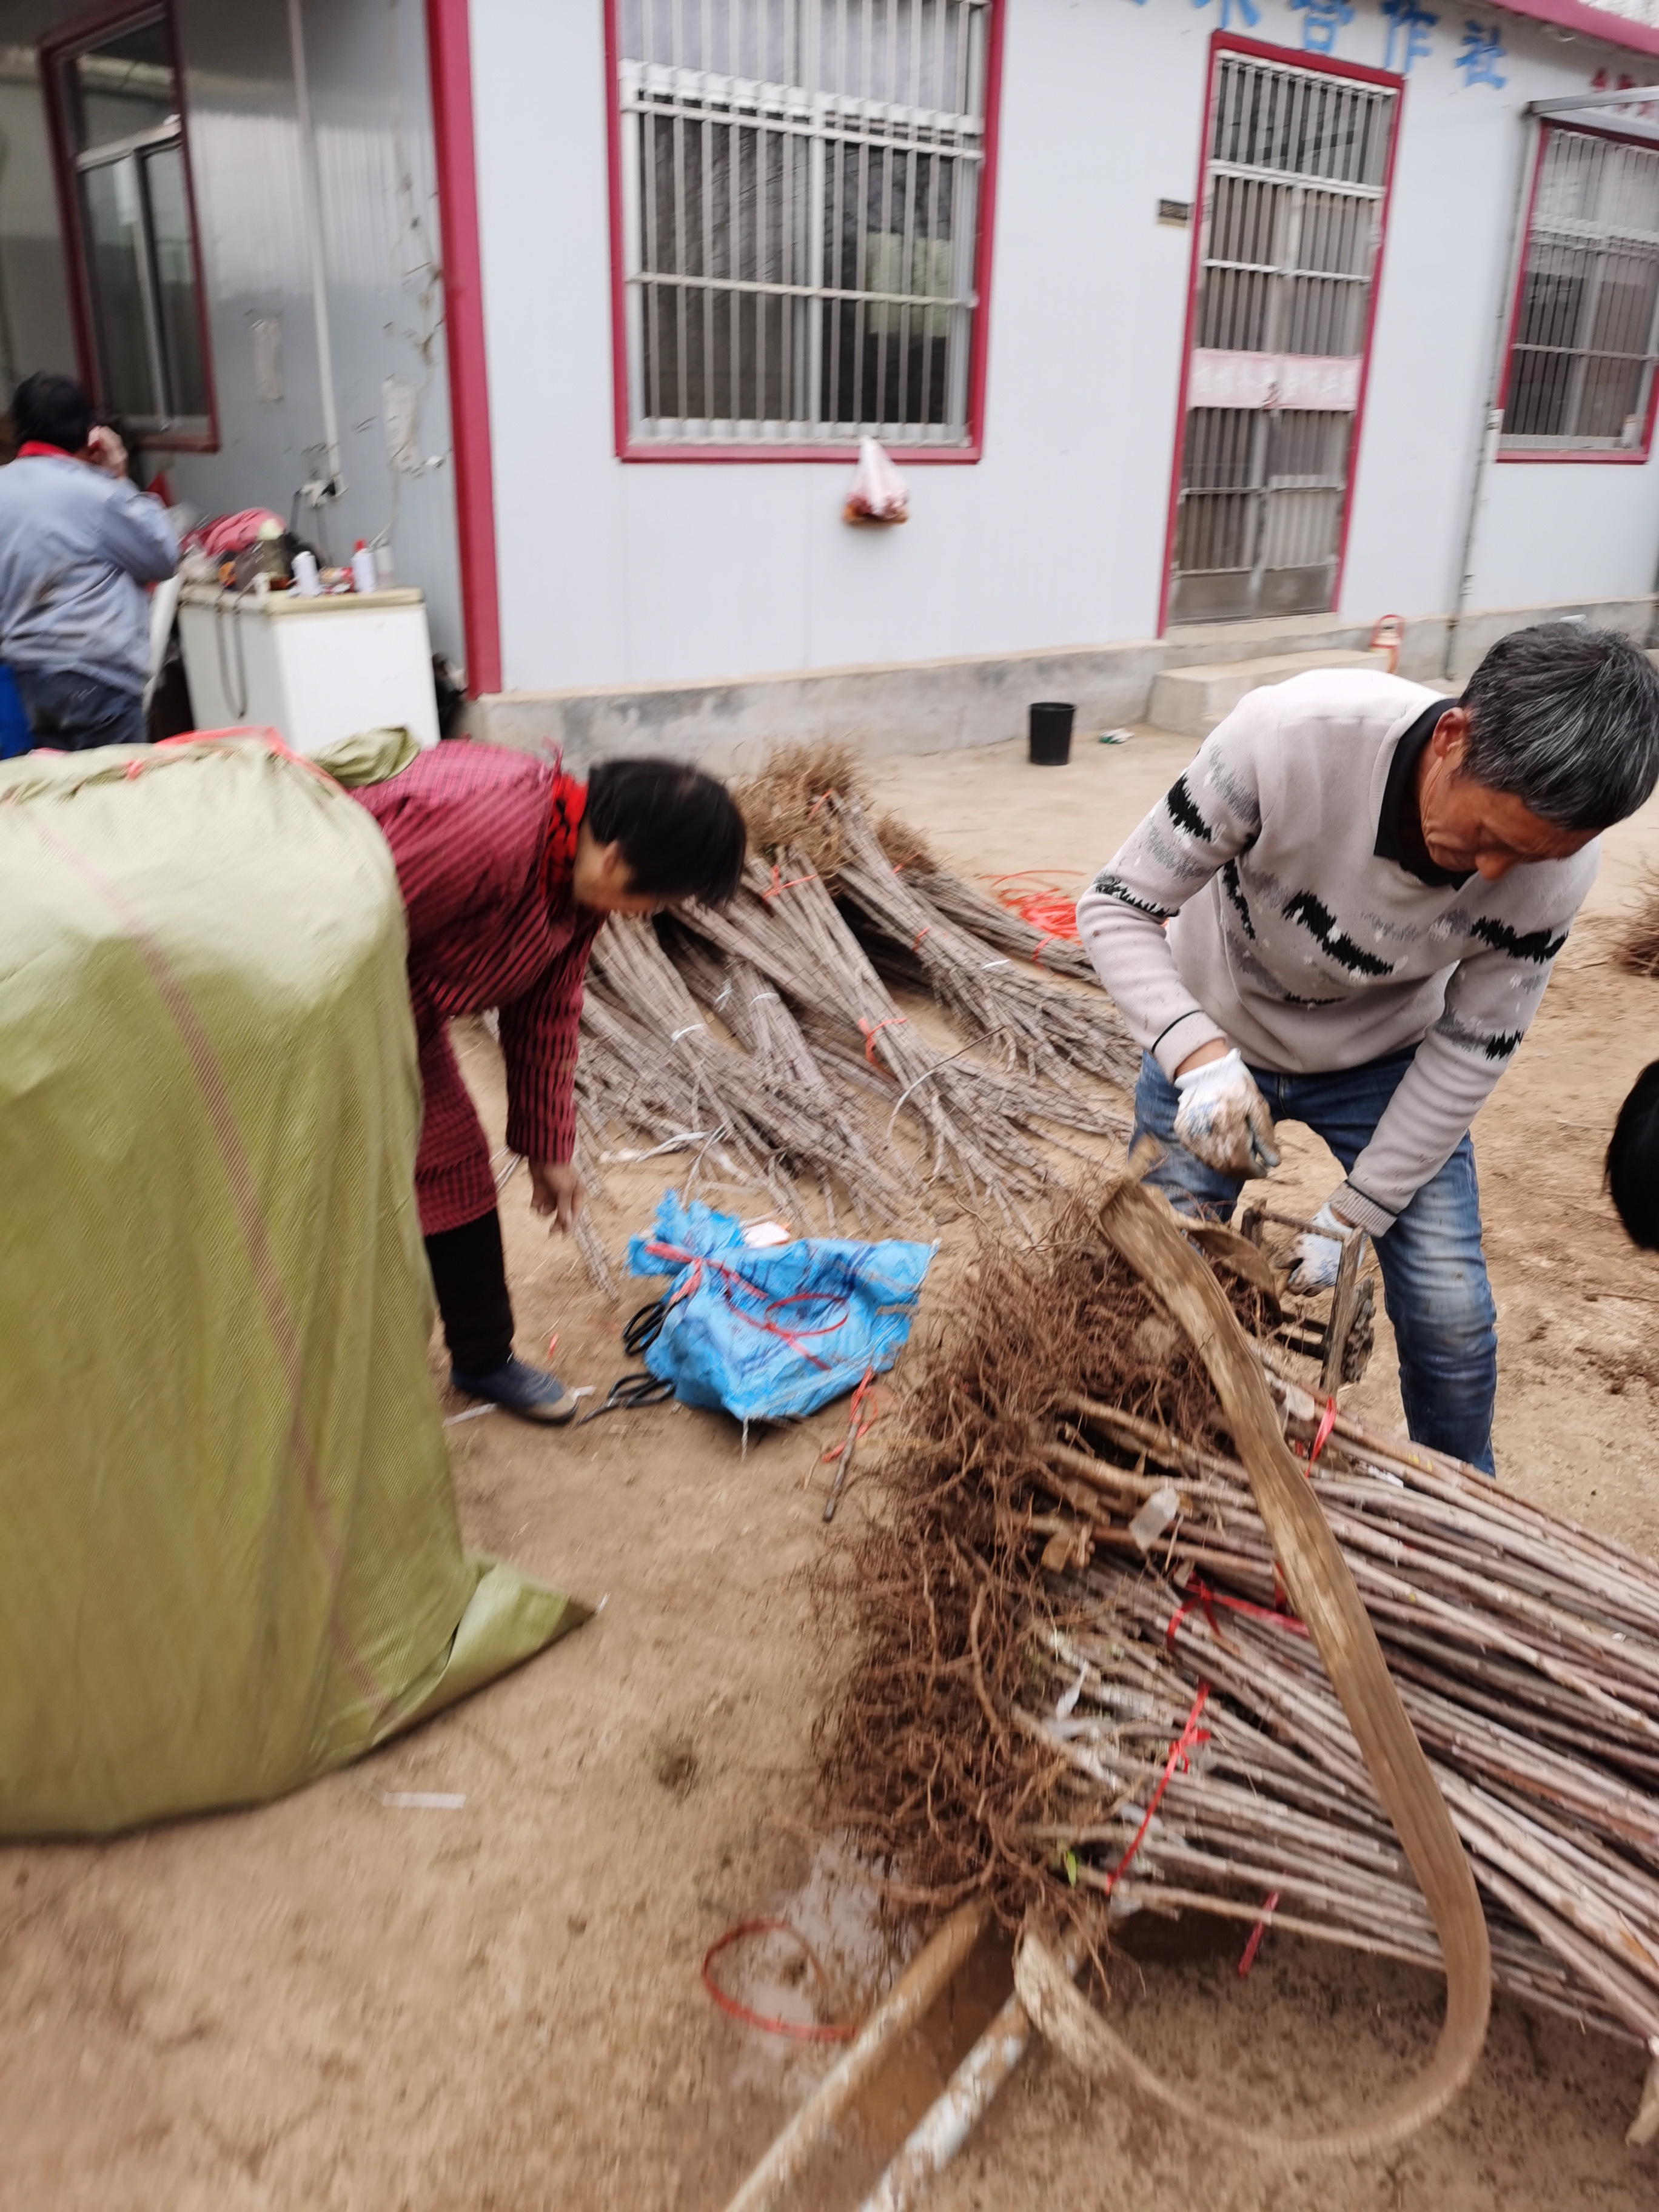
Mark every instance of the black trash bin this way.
pixel 1051 733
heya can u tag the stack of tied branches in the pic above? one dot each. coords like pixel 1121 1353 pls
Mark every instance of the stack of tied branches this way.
pixel 1079 1677
pixel 764 1036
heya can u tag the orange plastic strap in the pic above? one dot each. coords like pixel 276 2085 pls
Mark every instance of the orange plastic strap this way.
pixel 870 1030
pixel 777 883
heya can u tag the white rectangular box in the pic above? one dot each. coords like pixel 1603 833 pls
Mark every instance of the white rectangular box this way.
pixel 313 670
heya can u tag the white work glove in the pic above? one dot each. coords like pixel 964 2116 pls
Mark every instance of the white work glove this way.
pixel 1222 1119
pixel 1317 1258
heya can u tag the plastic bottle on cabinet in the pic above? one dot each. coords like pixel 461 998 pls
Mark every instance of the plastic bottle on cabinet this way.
pixel 363 578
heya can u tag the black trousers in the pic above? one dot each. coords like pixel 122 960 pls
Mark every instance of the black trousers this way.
pixel 468 1273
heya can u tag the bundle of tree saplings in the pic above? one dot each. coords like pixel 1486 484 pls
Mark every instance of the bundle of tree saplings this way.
pixel 1079 1677
pixel 762 1040
pixel 650 1061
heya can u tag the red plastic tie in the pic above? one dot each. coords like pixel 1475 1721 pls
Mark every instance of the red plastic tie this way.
pixel 1269 1904
pixel 777 883
pixel 1190 1738
pixel 770 2023
pixel 1321 1434
pixel 1203 1595
pixel 870 1030
pixel 926 930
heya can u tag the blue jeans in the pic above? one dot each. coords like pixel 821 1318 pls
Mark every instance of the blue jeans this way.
pixel 1434 1271
pixel 70 712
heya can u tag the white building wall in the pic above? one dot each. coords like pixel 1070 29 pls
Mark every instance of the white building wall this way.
pixel 366 63
pixel 1548 530
pixel 638 572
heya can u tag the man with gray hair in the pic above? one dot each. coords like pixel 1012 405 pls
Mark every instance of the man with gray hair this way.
pixel 1345 914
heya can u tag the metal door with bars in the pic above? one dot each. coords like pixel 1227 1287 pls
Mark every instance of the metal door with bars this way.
pixel 1296 174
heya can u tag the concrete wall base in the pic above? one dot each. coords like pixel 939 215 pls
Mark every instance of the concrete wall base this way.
pixel 726 725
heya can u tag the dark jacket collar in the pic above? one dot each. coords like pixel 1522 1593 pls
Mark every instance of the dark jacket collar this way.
pixel 1399 798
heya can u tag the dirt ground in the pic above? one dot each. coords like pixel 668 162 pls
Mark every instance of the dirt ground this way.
pixel 342 2006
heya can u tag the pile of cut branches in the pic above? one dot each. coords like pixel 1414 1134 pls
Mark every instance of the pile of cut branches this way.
pixel 1078 1677
pixel 1636 945
pixel 763 1037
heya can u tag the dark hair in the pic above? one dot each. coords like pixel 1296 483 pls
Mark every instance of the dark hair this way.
pixel 1565 719
pixel 1633 1175
pixel 680 832
pixel 54 410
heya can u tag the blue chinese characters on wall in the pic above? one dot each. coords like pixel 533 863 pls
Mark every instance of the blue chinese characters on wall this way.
pixel 1320 21
pixel 1482 50
pixel 1408 34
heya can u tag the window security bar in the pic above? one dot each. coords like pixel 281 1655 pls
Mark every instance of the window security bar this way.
pixel 799 235
pixel 1586 337
pixel 1294 182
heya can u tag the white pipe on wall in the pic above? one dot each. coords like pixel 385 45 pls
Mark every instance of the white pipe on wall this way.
pixel 310 191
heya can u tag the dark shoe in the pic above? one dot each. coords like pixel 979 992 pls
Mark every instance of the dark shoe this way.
pixel 530 1392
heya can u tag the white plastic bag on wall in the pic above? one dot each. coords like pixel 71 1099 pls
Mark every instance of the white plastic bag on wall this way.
pixel 880 493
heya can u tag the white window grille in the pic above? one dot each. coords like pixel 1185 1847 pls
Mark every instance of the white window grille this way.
pixel 1583 350
pixel 800 184
pixel 1297 167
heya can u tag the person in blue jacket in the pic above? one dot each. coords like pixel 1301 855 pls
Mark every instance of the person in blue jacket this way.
pixel 78 543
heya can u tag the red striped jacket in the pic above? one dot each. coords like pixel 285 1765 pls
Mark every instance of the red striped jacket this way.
pixel 484 842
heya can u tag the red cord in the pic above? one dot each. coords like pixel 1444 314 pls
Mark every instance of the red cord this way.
pixel 1268 1904
pixel 864 1391
pixel 727 1277
pixel 801 2032
pixel 1190 1738
pixel 1048 906
pixel 1203 1595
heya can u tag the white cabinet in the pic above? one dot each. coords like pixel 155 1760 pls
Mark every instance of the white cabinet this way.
pixel 311 669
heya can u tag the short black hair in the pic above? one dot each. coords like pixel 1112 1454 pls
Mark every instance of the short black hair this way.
pixel 52 411
pixel 1565 719
pixel 1633 1160
pixel 680 831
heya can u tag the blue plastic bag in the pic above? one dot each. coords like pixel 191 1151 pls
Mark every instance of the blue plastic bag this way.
pixel 777 1331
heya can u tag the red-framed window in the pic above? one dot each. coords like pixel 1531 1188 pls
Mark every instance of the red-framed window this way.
pixel 801 202
pixel 1584 337
pixel 114 101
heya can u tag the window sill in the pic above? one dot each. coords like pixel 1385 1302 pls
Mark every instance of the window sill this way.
pixel 910 456
pixel 1579 456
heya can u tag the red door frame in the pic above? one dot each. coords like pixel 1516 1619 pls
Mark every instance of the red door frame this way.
pixel 54 51
pixel 979 344
pixel 1325 65
pixel 449 71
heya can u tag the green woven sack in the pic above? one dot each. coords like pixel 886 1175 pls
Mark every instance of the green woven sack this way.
pixel 231 1558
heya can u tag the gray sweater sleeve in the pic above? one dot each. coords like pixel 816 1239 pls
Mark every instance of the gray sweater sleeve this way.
pixel 136 535
pixel 1208 815
pixel 1490 1002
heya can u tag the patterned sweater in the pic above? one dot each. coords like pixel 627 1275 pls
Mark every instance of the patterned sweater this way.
pixel 1263 900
